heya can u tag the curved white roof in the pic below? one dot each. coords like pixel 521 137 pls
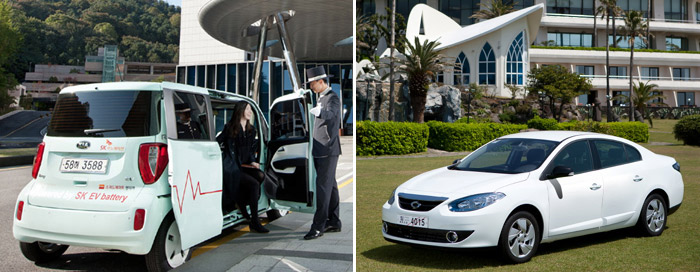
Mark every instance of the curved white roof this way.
pixel 437 26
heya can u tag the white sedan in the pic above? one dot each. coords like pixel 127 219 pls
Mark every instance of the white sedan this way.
pixel 526 188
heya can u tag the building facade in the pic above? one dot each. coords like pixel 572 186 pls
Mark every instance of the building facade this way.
pixel 566 35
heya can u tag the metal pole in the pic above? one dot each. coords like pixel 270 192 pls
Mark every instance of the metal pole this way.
pixel 391 63
pixel 288 52
pixel 254 91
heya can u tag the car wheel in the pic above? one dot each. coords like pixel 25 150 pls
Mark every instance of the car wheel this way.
pixel 520 237
pixel 166 252
pixel 273 215
pixel 42 252
pixel 652 219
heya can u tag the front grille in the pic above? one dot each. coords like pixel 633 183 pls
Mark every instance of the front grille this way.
pixel 419 203
pixel 423 234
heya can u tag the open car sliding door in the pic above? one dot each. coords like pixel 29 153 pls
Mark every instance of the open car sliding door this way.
pixel 194 169
pixel 289 153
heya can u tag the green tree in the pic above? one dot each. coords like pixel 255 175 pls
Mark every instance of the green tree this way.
pixel 422 63
pixel 606 9
pixel 644 93
pixel 635 27
pixel 558 85
pixel 493 9
pixel 10 41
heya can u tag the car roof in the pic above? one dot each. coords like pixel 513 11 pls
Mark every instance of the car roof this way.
pixel 550 135
pixel 133 86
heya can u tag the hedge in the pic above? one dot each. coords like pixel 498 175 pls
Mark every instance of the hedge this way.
pixel 688 130
pixel 390 138
pixel 461 137
pixel 633 131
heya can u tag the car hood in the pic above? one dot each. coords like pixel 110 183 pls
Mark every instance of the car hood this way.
pixel 456 183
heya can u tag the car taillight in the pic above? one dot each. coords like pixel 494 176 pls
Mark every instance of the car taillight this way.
pixel 139 219
pixel 37 159
pixel 153 158
pixel 20 209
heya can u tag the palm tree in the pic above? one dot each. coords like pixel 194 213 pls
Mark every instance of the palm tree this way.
pixel 635 27
pixel 422 63
pixel 607 8
pixel 643 94
pixel 493 9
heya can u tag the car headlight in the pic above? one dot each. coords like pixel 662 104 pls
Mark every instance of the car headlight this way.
pixel 392 198
pixel 474 202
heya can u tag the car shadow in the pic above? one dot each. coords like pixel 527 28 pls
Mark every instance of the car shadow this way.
pixel 589 240
pixel 97 261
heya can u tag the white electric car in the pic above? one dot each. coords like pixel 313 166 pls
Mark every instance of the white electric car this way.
pixel 526 188
pixel 115 171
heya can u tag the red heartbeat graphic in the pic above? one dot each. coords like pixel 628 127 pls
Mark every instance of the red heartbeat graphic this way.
pixel 181 201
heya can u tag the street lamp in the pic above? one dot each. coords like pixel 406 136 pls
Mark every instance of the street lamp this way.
pixel 688 101
pixel 542 96
pixel 469 103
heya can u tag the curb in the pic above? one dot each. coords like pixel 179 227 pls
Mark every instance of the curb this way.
pixel 16 160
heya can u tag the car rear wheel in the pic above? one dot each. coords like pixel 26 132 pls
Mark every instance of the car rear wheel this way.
pixel 520 237
pixel 166 252
pixel 652 219
pixel 42 252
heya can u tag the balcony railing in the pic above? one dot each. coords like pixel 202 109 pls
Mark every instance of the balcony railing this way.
pixel 645 78
pixel 622 18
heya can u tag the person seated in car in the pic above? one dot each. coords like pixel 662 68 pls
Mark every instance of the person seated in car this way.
pixel 239 135
pixel 186 127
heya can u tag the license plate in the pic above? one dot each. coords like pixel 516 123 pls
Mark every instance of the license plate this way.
pixel 413 221
pixel 91 166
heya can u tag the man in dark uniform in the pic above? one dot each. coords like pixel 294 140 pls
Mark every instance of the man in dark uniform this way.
pixel 186 127
pixel 326 150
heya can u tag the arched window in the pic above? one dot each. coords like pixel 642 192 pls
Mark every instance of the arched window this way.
pixel 514 62
pixel 487 66
pixel 461 74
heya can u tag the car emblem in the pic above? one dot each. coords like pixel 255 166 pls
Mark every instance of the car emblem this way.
pixel 83 144
pixel 415 205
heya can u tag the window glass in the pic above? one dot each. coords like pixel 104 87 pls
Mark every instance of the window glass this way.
pixel 221 77
pixel 610 153
pixel 181 75
pixel 676 44
pixel 514 61
pixel 649 73
pixel 231 74
pixel 584 7
pixel 201 74
pixel 685 98
pixel 487 65
pixel 584 70
pixel 570 39
pixel 681 73
pixel 576 156
pixel 632 154
pixel 459 10
pixel 461 73
pixel 287 120
pixel 508 156
pixel 191 116
pixel 618 71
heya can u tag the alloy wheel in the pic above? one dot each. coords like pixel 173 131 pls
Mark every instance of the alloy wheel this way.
pixel 521 237
pixel 656 215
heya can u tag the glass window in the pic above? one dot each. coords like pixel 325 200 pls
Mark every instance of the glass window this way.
pixel 201 75
pixel 610 153
pixel 508 156
pixel 632 154
pixel 576 156
pixel 676 10
pixel 585 70
pixel 487 66
pixel 676 44
pixel 181 75
pixel 571 39
pixel 624 43
pixel 519 4
pixel 404 7
pixel 460 10
pixel 221 77
pixel 618 72
pixel 191 116
pixel 367 7
pixel 287 120
pixel 628 5
pixel 191 75
pixel 106 114
pixel 514 61
pixel 618 94
pixel 231 74
pixel 686 98
pixel 461 74
pixel 697 12
pixel 276 85
pixel 650 73
pixel 681 74
pixel 584 7
pixel 265 89
pixel 211 75
pixel 242 79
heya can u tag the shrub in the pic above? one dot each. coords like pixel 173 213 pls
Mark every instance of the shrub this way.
pixel 688 130
pixel 543 124
pixel 461 137
pixel 390 138
pixel 633 131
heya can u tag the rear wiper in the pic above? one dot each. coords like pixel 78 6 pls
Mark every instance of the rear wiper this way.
pixel 99 130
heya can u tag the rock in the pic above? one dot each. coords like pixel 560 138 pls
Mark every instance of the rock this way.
pixel 443 103
pixel 370 77
pixel 495 119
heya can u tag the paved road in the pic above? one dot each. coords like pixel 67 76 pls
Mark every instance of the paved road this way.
pixel 13 179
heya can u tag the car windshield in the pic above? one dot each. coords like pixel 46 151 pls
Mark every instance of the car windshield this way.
pixel 106 114
pixel 509 156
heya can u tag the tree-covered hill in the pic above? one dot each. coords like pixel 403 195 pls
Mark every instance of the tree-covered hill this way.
pixel 65 31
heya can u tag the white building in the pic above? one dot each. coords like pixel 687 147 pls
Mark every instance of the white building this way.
pixel 567 28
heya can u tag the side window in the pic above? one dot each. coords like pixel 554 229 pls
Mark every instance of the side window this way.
pixel 576 156
pixel 611 153
pixel 632 154
pixel 191 116
pixel 287 120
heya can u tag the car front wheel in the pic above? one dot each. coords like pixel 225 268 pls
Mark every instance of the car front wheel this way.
pixel 166 252
pixel 520 237
pixel 42 252
pixel 652 219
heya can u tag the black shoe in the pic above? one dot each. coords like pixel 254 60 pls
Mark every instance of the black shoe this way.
pixel 313 234
pixel 332 229
pixel 259 228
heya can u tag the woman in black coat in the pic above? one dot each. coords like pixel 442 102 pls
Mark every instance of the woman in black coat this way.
pixel 238 136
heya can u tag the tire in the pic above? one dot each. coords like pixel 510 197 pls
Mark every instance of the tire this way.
pixel 652 218
pixel 273 215
pixel 41 252
pixel 520 237
pixel 166 252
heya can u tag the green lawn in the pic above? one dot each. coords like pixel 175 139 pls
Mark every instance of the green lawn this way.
pixel 675 250
pixel 17 151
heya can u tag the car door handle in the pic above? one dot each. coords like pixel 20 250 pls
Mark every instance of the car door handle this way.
pixel 637 179
pixel 595 186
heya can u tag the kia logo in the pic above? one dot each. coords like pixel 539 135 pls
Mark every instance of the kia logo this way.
pixel 415 205
pixel 83 144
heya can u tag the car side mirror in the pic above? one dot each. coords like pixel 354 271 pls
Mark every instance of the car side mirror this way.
pixel 454 164
pixel 560 171
pixel 457 161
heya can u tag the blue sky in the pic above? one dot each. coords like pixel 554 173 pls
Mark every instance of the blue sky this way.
pixel 174 2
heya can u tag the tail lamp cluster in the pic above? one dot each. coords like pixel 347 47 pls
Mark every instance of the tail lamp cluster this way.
pixel 153 158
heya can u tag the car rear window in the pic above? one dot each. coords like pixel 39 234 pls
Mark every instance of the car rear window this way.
pixel 106 114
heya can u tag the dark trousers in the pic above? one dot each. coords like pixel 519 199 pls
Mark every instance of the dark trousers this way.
pixel 249 191
pixel 327 199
